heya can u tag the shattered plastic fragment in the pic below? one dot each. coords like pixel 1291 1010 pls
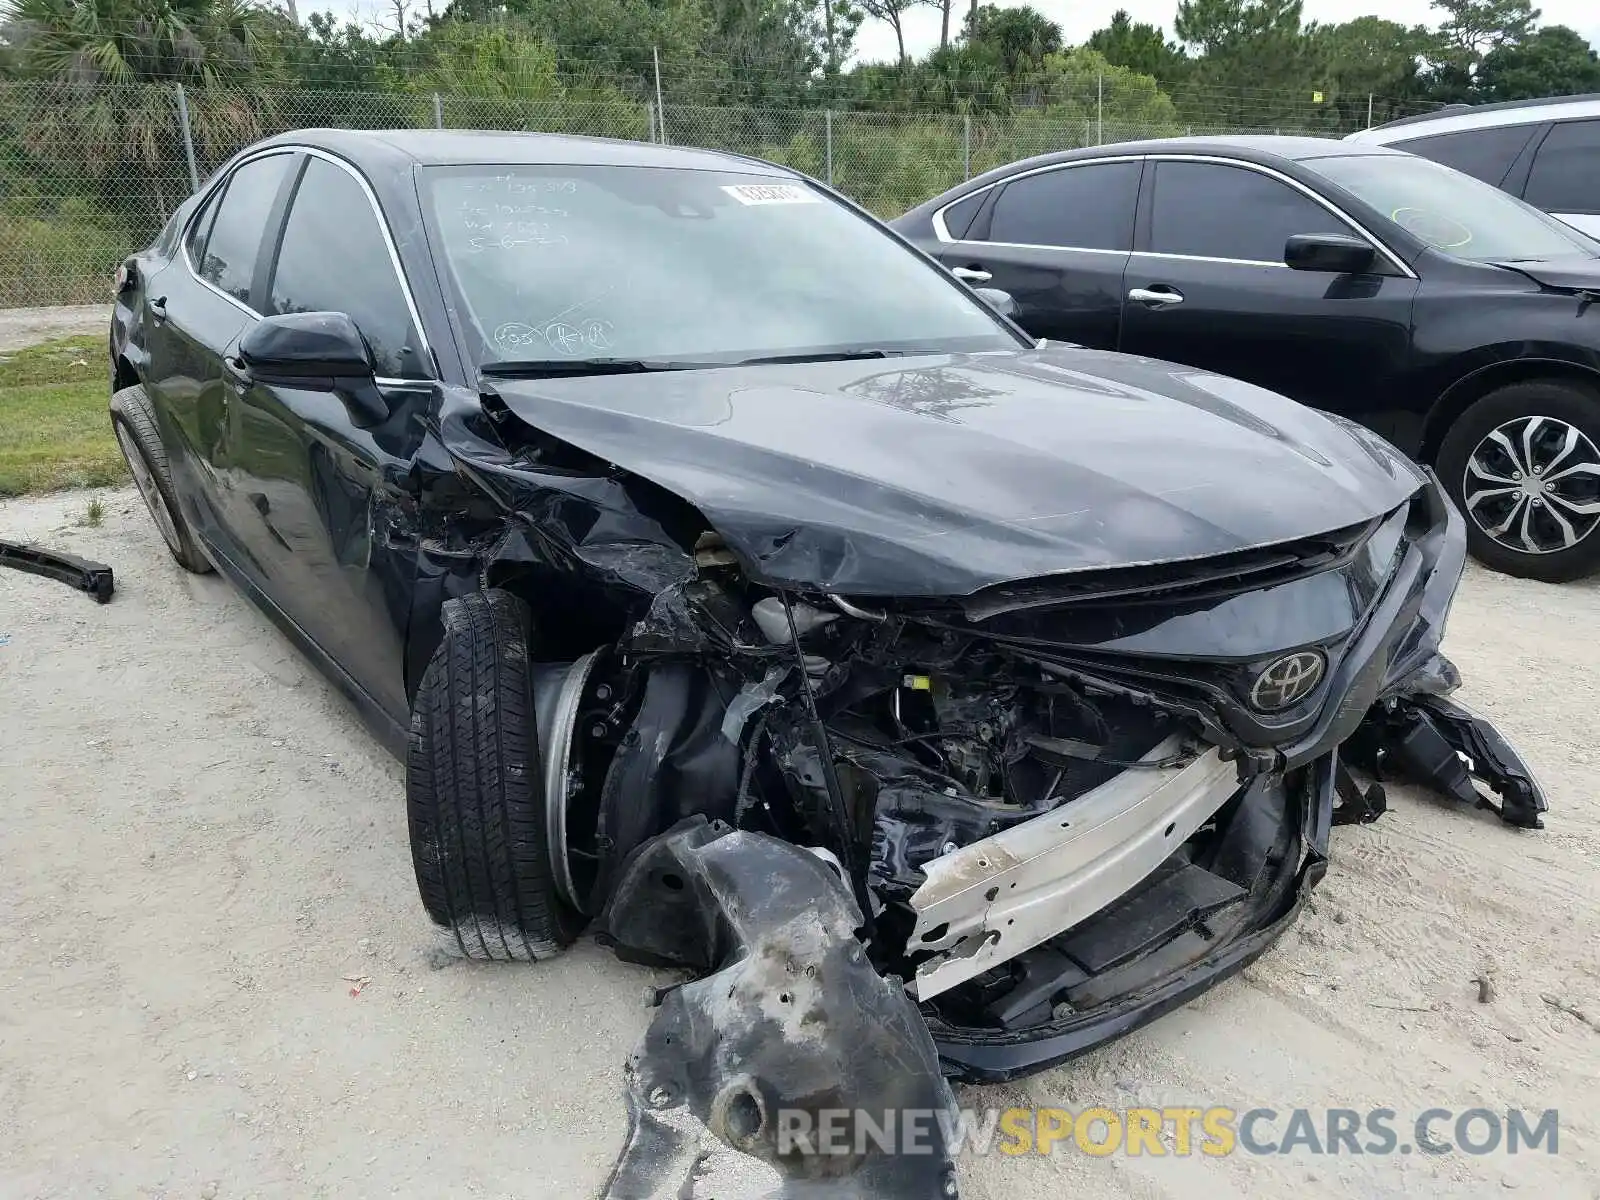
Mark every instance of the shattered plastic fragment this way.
pixel 752 698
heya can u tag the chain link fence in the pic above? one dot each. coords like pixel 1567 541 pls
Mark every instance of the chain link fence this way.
pixel 90 172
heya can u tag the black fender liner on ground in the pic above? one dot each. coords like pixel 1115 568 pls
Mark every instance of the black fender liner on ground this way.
pixel 786 1022
pixel 94 578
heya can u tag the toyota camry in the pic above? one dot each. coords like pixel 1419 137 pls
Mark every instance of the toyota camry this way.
pixel 732 577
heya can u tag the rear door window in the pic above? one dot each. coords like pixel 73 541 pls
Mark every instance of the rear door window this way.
pixel 240 227
pixel 958 216
pixel 1076 208
pixel 1566 171
pixel 1485 154
pixel 196 243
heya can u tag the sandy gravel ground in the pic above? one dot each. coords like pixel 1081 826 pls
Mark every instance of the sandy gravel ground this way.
pixel 202 854
pixel 21 327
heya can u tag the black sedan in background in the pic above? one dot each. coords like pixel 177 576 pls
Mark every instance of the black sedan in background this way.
pixel 1452 318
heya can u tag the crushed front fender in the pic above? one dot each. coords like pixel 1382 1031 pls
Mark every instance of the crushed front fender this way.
pixel 789 1068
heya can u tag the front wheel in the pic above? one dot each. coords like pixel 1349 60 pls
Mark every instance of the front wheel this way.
pixel 475 794
pixel 1523 466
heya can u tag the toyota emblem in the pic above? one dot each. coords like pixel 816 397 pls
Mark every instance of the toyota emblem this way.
pixel 1287 681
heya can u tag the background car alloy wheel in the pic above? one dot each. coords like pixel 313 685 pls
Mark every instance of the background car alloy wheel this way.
pixel 1533 485
pixel 1522 464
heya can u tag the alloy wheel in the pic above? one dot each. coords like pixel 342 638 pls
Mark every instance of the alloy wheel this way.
pixel 1533 485
pixel 144 479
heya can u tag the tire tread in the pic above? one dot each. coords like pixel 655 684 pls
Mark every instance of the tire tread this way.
pixel 131 407
pixel 474 794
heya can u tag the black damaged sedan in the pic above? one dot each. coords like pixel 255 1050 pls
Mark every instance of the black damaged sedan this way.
pixel 731 576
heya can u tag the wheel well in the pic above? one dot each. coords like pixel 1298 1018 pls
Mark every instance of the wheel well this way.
pixel 124 375
pixel 1464 393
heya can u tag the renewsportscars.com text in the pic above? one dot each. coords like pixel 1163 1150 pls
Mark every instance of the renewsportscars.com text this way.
pixel 1214 1131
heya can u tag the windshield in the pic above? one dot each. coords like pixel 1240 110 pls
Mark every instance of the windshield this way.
pixel 698 267
pixel 1453 212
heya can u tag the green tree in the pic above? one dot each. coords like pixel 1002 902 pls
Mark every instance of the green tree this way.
pixel 330 56
pixel 505 77
pixel 1472 28
pixel 1139 47
pixel 1018 38
pixel 98 63
pixel 1254 66
pixel 1370 66
pixel 202 43
pixel 1554 61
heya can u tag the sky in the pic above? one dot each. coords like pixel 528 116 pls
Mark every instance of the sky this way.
pixel 1079 18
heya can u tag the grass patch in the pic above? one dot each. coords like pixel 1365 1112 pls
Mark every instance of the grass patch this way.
pixel 54 430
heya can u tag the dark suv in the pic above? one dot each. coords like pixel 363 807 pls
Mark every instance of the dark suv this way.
pixel 1454 319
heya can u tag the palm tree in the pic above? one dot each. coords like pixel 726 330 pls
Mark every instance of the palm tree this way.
pixel 102 70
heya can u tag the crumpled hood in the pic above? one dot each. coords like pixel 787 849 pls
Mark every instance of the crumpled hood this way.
pixel 942 474
pixel 1578 273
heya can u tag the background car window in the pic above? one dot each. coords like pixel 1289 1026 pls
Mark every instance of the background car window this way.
pixel 1451 212
pixel 1089 208
pixel 1485 154
pixel 959 215
pixel 1566 171
pixel 1215 211
pixel 241 224
pixel 334 259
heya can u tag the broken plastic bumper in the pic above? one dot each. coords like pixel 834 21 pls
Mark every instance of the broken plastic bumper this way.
pixel 91 577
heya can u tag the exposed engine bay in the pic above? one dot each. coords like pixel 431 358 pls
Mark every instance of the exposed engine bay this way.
pixel 893 751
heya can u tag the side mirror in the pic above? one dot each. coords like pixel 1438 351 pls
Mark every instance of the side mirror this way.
pixel 1001 301
pixel 1334 253
pixel 315 351
pixel 306 346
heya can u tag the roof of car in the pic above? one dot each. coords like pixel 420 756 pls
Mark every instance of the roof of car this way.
pixel 441 147
pixel 1261 147
pixel 1460 117
pixel 1266 149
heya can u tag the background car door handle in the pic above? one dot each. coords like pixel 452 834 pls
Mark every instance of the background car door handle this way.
pixel 971 274
pixel 158 310
pixel 1159 296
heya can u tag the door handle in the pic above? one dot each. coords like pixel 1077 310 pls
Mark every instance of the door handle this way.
pixel 158 309
pixel 1156 296
pixel 971 274
pixel 238 374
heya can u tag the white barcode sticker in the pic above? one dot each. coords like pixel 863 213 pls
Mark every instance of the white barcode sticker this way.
pixel 770 193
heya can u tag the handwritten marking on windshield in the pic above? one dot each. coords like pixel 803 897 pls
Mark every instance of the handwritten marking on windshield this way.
pixel 560 337
pixel 511 185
